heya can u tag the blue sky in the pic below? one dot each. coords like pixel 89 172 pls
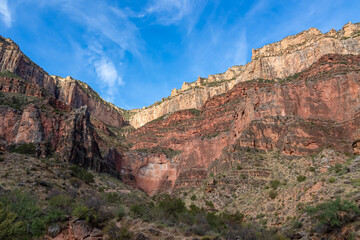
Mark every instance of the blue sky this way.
pixel 134 52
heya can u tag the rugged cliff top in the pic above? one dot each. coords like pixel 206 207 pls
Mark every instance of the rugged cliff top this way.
pixel 305 39
pixel 278 60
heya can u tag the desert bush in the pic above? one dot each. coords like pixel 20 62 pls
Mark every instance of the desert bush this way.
pixel 115 233
pixel 7 73
pixel 82 174
pixel 274 184
pixel 273 194
pixel 26 148
pixel 193 198
pixel 209 203
pixel 215 222
pixel 22 218
pixel 301 178
pixel 332 179
pixel 120 212
pixel 10 226
pixel 334 213
pixel 112 197
pixel 172 205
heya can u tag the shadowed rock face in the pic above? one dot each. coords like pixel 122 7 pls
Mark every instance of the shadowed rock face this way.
pixel 299 115
pixel 67 90
pixel 48 123
pixel 291 55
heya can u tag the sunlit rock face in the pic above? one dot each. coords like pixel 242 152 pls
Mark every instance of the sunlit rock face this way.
pixel 299 115
pixel 291 55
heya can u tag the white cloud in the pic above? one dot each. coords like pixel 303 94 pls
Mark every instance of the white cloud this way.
pixel 107 73
pixel 168 12
pixel 5 13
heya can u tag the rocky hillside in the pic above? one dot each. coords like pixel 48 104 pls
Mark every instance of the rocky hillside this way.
pixel 72 92
pixel 278 60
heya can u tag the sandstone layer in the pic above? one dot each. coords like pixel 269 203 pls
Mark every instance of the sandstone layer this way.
pixel 317 109
pixel 73 92
pixel 291 55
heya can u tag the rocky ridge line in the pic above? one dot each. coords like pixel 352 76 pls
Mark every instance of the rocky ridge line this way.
pixel 278 60
pixel 72 92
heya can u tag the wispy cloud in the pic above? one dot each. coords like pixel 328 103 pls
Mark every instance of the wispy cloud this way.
pixel 168 12
pixel 5 12
pixel 106 25
pixel 108 75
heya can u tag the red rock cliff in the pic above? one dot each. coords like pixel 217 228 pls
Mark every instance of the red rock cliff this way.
pixel 68 90
pixel 297 115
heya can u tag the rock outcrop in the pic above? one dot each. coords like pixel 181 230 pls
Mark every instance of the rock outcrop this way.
pixel 297 115
pixel 278 60
pixel 47 123
pixel 73 92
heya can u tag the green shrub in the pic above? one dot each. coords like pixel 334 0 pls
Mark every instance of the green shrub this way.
pixel 112 197
pixel 301 178
pixel 62 203
pixel 21 211
pixel 10 226
pixel 116 233
pixel 273 194
pixel 334 213
pixel 7 73
pixel 274 184
pixel 193 197
pixel 81 212
pixel 338 167
pixel 214 221
pixel 332 179
pixel 82 174
pixel 85 213
pixel 2 159
pixel 312 169
pixel 26 148
pixel 239 167
pixel 172 205
pixel 209 204
pixel 297 225
pixel 88 177
pixel 120 213
pixel 138 210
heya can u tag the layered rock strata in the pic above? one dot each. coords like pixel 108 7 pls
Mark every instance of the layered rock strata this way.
pixel 29 115
pixel 297 115
pixel 73 92
pixel 278 60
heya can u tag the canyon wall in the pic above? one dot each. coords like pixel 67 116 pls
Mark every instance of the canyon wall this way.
pixel 278 60
pixel 317 109
pixel 29 115
pixel 73 92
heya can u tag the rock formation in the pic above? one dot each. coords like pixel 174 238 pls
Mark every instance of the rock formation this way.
pixel 30 115
pixel 296 96
pixel 73 92
pixel 291 55
pixel 296 115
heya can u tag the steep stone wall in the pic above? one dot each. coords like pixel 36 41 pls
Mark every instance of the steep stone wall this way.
pixel 277 60
pixel 68 90
pixel 317 109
